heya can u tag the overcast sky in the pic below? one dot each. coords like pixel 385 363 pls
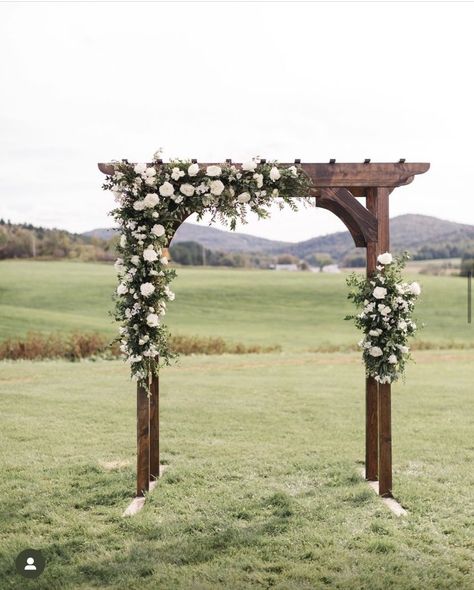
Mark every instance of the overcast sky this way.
pixel 83 83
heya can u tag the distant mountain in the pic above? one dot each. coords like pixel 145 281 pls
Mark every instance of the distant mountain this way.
pixel 427 236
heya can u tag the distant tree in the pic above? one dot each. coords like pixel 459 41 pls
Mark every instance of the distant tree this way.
pixel 287 259
pixel 354 261
pixel 319 259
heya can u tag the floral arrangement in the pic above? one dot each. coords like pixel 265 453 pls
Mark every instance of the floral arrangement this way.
pixel 386 317
pixel 152 201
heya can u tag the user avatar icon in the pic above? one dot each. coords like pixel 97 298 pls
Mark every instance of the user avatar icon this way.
pixel 30 564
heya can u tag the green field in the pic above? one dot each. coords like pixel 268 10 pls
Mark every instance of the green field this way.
pixel 300 311
pixel 264 453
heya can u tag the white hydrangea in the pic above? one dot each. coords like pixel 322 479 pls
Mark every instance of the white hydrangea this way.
pixel 176 173
pixel 415 288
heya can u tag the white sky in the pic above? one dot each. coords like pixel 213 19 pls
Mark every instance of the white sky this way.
pixel 82 83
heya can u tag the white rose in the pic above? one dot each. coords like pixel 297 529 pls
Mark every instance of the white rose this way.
pixel 118 264
pixel 176 174
pixel 379 292
pixel 402 325
pixel 275 173
pixel 249 166
pixel 147 289
pixel 150 172
pixel 259 179
pixel 188 189
pixel 152 320
pixel 166 189
pixel 139 205
pixel 374 333
pixel 385 258
pixel 217 187
pixel 139 168
pixel 177 199
pixel 293 170
pixel 149 254
pixel 193 170
pixel 158 230
pixel 123 241
pixel 403 349
pixel 164 260
pixel 375 351
pixel 243 198
pixel 415 288
pixel 151 200
pixel 213 170
pixel 135 260
pixel 392 359
pixel 122 289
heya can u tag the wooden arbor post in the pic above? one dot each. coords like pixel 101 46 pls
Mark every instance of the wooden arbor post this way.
pixel 336 188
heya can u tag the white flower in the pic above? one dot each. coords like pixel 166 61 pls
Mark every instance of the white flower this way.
pixel 118 265
pixel 217 187
pixel 166 189
pixel 176 174
pixel 415 288
pixel 122 289
pixel 164 260
pixel 379 292
pixel 402 325
pixel 139 205
pixel 139 168
pixel 293 170
pixel 259 180
pixel 403 349
pixel 249 166
pixel 392 359
pixel 150 172
pixel 188 189
pixel 177 199
pixel 193 170
pixel 135 359
pixel 376 332
pixel 243 198
pixel 135 260
pixel 385 258
pixel 151 200
pixel 123 241
pixel 152 320
pixel 275 173
pixel 147 289
pixel 213 170
pixel 158 230
pixel 169 293
pixel 384 309
pixel 149 254
pixel 375 351
pixel 275 192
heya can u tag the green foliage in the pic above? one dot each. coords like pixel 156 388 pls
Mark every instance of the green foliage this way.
pixel 28 241
pixel 386 318
pixel 319 259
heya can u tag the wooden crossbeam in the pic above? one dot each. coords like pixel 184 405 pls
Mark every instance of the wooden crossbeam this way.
pixel 347 175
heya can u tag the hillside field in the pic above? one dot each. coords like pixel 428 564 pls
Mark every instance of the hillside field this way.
pixel 264 452
pixel 300 311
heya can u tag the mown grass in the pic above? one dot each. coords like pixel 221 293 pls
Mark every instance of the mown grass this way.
pixel 263 485
pixel 299 311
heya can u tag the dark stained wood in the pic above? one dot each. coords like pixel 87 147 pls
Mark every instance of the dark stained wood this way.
pixel 345 174
pixel 143 441
pixel 155 428
pixel 360 222
pixel 377 462
pixel 385 440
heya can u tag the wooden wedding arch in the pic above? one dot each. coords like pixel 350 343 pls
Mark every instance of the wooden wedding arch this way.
pixel 336 187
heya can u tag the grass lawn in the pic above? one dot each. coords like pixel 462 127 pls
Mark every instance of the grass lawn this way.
pixel 262 488
pixel 299 311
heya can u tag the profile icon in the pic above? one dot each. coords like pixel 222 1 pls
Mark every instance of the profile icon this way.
pixel 30 563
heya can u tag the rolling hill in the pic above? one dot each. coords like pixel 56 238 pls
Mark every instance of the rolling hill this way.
pixel 416 233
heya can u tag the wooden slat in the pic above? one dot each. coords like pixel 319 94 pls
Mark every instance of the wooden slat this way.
pixel 371 429
pixel 155 428
pixel 143 441
pixel 344 174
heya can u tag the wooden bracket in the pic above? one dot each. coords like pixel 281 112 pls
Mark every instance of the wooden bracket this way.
pixel 361 223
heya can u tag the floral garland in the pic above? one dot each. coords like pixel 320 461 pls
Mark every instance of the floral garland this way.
pixel 153 200
pixel 386 318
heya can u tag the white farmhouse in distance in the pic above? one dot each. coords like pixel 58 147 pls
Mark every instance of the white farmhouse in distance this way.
pixel 331 268
pixel 287 267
